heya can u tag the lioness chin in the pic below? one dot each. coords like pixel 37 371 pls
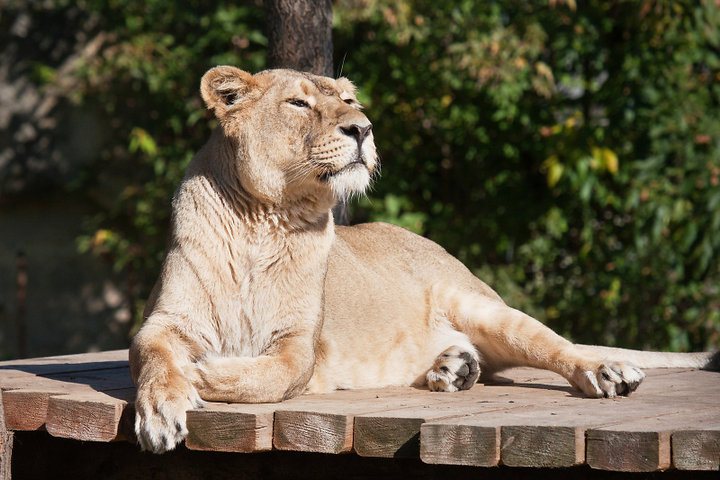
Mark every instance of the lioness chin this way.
pixel 262 298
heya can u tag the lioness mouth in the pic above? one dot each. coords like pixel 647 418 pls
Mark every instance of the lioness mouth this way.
pixel 358 161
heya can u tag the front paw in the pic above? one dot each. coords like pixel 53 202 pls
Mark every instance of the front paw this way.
pixel 160 414
pixel 609 379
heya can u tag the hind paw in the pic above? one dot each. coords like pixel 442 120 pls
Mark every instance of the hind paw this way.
pixel 455 369
pixel 609 379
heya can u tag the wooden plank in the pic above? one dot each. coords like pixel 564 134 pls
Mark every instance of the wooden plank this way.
pixel 317 423
pixel 542 446
pixel 542 435
pixel 697 449
pixel 396 437
pixel 26 409
pixel 95 380
pixel 63 364
pixel 702 385
pixel 620 450
pixel 396 433
pixel 27 398
pixel 6 446
pixel 459 444
pixel 87 416
pixel 324 423
pixel 548 435
pixel 222 427
pixel 30 387
pixel 313 431
pixel 642 445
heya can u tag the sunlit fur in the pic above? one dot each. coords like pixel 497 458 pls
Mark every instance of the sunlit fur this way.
pixel 262 298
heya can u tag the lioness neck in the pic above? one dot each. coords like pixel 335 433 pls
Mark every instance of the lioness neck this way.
pixel 296 209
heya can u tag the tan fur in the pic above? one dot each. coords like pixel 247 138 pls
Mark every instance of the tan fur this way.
pixel 262 298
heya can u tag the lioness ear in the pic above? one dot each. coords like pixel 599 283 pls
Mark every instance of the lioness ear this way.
pixel 224 87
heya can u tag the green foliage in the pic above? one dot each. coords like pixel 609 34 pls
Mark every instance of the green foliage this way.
pixel 144 85
pixel 568 153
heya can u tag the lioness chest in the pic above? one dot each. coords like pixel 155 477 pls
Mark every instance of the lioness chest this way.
pixel 267 279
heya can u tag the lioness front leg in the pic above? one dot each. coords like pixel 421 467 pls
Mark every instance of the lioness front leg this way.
pixel 507 338
pixel 164 393
pixel 279 374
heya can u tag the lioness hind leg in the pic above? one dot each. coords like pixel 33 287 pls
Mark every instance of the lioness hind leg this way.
pixel 454 369
pixel 506 337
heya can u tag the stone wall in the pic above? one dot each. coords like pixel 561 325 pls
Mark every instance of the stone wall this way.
pixel 75 303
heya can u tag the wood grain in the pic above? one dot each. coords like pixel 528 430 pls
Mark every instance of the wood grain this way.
pixel 6 446
pixel 396 433
pixel 325 423
pixel 86 416
pixel 313 431
pixel 82 362
pixel 552 434
pixel 388 437
pixel 27 397
pixel 26 409
pixel 697 449
pixel 542 446
pixel 223 427
pixel 644 444
pixel 469 445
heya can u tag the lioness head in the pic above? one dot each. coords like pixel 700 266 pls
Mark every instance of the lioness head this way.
pixel 292 135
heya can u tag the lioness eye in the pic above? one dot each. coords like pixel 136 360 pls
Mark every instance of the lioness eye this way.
pixel 349 101
pixel 299 103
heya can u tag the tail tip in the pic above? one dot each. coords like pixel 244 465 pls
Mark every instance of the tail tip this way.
pixel 714 363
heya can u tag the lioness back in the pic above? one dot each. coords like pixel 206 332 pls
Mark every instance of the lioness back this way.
pixel 391 247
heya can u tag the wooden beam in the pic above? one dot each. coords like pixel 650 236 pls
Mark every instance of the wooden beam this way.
pixel 26 409
pixel 396 433
pixel 325 423
pixel 549 434
pixel 643 445
pixel 27 397
pixel 531 419
pixel 82 362
pixel 222 427
pixel 87 416
pixel 697 449
pixel 459 444
pixel 6 446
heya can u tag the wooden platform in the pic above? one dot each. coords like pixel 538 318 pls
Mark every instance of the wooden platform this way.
pixel 532 419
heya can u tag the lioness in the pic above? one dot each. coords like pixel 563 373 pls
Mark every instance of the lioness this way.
pixel 262 298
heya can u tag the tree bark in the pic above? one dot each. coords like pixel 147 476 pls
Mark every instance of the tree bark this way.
pixel 300 37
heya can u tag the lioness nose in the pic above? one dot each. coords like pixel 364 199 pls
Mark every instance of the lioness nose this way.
pixel 356 131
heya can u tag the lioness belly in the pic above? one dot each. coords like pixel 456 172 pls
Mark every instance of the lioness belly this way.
pixel 381 325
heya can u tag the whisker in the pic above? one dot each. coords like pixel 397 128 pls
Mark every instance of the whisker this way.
pixel 342 65
pixel 299 172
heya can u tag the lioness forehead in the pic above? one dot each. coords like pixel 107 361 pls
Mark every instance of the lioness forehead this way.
pixel 326 85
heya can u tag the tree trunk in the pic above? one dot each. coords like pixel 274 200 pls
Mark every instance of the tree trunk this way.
pixel 300 37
